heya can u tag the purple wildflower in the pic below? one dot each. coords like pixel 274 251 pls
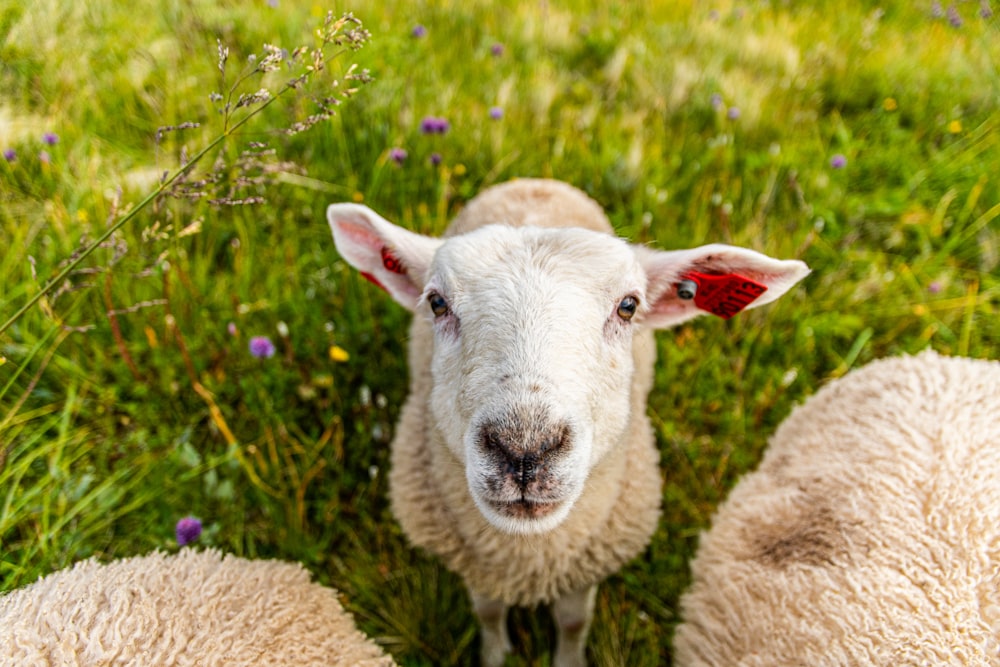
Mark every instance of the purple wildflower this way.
pixel 733 113
pixel 716 101
pixel 397 155
pixel 10 155
pixel 838 161
pixel 434 125
pixel 418 31
pixel 435 159
pixel 985 11
pixel 936 11
pixel 934 287
pixel 497 50
pixel 261 347
pixel 496 113
pixel 188 530
pixel 231 328
pixel 50 138
pixel 954 18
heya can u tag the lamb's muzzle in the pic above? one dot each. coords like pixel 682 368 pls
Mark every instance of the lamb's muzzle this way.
pixel 522 481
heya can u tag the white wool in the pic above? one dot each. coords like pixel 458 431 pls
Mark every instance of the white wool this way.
pixel 869 535
pixel 191 608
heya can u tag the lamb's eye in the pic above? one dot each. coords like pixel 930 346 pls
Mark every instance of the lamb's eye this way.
pixel 437 303
pixel 626 309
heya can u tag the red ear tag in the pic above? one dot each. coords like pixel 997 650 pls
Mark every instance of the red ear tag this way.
pixel 391 262
pixel 724 295
pixel 372 279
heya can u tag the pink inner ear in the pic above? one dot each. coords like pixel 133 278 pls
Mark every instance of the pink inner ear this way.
pixel 724 295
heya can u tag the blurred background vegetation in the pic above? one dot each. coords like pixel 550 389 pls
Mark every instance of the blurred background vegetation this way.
pixel 860 137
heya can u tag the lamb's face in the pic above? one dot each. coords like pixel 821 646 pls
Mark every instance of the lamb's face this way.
pixel 532 362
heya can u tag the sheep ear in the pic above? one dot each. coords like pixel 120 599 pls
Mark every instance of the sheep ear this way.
pixel 723 279
pixel 393 258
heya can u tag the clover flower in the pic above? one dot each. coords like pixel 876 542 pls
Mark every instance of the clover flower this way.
pixel 44 157
pixel 954 18
pixel 434 125
pixel 10 154
pixel 187 531
pixel 261 347
pixel 397 155
pixel 435 159
pixel 418 31
pixel 733 113
pixel 496 113
pixel 50 139
pixel 497 50
pixel 838 161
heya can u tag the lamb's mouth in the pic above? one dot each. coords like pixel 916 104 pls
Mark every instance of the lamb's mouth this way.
pixel 524 508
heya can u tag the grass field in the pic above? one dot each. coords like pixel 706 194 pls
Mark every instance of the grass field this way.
pixel 860 137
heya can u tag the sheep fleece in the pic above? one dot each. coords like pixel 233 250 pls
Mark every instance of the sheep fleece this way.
pixel 192 608
pixel 870 534
pixel 618 510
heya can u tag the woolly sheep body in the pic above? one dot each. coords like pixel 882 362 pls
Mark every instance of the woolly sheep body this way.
pixel 870 533
pixel 524 457
pixel 194 607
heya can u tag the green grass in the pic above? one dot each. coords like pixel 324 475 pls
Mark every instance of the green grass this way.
pixel 114 427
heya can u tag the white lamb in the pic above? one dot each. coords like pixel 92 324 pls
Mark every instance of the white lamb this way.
pixel 190 608
pixel 524 457
pixel 870 533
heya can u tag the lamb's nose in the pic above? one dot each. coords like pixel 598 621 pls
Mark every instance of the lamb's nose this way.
pixel 522 448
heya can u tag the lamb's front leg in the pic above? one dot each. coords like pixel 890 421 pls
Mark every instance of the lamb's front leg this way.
pixel 573 614
pixel 492 616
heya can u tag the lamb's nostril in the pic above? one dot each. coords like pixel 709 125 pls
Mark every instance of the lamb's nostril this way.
pixel 555 441
pixel 528 470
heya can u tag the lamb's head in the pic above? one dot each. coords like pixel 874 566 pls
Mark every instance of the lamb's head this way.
pixel 532 360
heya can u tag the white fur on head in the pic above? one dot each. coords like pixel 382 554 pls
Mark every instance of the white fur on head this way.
pixel 532 363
